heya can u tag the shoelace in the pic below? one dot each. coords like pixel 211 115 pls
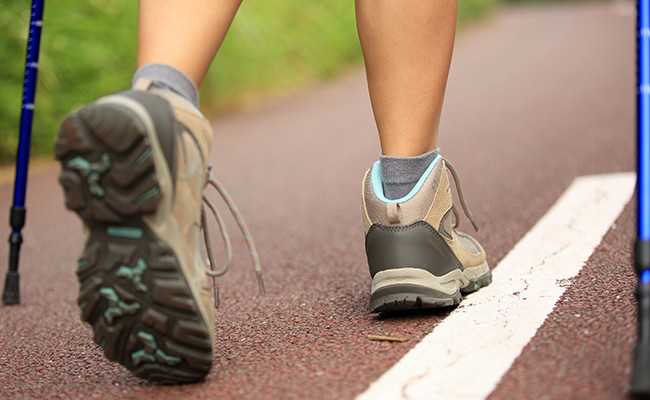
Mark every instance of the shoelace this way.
pixel 213 272
pixel 459 190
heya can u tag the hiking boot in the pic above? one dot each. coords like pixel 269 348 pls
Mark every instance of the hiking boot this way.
pixel 134 167
pixel 417 259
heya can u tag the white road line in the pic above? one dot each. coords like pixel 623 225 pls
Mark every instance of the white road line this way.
pixel 469 351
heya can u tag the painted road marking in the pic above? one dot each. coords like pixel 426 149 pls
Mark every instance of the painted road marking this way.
pixel 469 351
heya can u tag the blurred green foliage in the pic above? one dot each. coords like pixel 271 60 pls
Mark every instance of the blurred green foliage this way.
pixel 277 46
pixel 470 10
pixel 88 50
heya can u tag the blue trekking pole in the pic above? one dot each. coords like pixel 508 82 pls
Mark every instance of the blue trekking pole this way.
pixel 641 371
pixel 11 293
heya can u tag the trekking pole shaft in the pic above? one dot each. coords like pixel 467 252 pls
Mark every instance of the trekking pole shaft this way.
pixel 29 93
pixel 642 244
pixel 641 369
pixel 643 120
pixel 11 293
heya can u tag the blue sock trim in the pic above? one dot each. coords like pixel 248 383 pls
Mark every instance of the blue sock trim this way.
pixel 378 186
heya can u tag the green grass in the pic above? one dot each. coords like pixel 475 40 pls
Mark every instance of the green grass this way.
pixel 88 50
pixel 278 46
pixel 469 11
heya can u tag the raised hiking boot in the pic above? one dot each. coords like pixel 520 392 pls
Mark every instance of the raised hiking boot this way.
pixel 417 259
pixel 134 167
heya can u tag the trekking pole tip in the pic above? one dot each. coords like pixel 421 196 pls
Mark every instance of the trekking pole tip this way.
pixel 11 293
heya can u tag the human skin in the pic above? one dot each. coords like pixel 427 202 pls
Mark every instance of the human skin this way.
pixel 185 34
pixel 407 47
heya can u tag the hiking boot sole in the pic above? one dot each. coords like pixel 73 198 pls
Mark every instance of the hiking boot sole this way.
pixel 411 288
pixel 132 288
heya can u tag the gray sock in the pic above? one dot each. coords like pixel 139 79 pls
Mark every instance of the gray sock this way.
pixel 167 77
pixel 400 174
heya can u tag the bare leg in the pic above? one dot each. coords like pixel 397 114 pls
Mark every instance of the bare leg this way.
pixel 184 34
pixel 407 46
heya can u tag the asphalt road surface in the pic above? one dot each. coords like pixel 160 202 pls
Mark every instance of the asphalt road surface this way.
pixel 537 96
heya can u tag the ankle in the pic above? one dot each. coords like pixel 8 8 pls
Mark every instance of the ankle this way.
pixel 166 77
pixel 400 174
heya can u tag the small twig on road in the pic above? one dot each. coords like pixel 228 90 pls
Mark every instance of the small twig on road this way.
pixel 386 339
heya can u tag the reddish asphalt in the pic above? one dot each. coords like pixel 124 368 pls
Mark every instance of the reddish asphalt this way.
pixel 537 96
